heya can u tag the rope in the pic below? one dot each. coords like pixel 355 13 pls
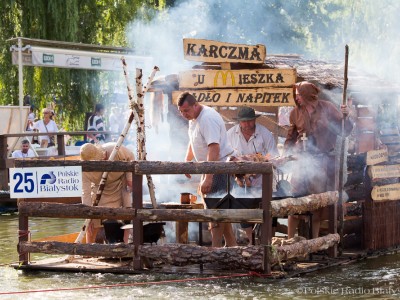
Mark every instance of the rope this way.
pixel 22 233
pixel 250 274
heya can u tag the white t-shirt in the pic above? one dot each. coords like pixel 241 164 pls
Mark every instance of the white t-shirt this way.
pixel 51 127
pixel 20 154
pixel 262 141
pixel 208 128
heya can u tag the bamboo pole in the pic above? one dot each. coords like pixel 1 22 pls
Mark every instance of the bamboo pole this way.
pixel 342 148
pixel 112 156
pixel 141 139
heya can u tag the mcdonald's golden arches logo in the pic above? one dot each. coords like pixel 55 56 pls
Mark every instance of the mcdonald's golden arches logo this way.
pixel 224 76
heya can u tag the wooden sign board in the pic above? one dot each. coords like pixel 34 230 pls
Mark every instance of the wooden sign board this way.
pixel 209 79
pixel 240 97
pixel 213 51
pixel 386 171
pixel 386 192
pixel 376 156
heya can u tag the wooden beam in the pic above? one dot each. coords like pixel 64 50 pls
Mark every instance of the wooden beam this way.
pixel 293 206
pixel 155 167
pixel 281 208
pixel 58 210
pixel 104 250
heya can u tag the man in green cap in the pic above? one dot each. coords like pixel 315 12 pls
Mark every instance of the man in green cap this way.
pixel 248 138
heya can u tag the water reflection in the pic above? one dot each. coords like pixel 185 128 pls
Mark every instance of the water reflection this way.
pixel 370 279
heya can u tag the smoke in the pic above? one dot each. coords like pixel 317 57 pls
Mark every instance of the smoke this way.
pixel 284 27
pixel 244 22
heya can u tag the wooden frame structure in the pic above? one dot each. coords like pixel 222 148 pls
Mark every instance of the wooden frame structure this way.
pixel 137 214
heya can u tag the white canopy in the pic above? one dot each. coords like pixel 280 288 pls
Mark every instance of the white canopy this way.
pixel 45 53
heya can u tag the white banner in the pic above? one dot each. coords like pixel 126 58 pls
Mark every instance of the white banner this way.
pixel 76 59
pixel 46 182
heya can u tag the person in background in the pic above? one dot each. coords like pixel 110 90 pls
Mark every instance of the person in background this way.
pixel 116 192
pixel 31 119
pixel 248 138
pixel 96 123
pixel 208 142
pixel 46 125
pixel 314 127
pixel 24 152
pixel 114 120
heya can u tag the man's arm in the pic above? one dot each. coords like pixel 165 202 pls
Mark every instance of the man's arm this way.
pixel 86 190
pixel 212 155
pixel 292 134
pixel 189 157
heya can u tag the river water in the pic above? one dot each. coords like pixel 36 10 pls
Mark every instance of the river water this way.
pixel 376 278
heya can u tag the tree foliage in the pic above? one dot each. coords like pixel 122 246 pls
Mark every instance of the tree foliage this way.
pixel 319 28
pixel 82 21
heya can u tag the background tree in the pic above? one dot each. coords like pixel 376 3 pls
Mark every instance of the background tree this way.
pixel 315 29
pixel 84 21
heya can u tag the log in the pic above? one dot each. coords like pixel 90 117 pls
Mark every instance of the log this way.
pixel 281 208
pixel 248 257
pixel 79 211
pixel 103 250
pixel 156 167
pixel 293 206
pixel 58 210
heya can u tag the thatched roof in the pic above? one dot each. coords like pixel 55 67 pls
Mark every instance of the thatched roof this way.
pixel 330 74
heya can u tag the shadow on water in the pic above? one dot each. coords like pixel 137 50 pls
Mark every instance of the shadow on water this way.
pixel 368 279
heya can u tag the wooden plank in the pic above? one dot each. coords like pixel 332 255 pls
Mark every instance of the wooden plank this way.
pixel 385 171
pixel 156 167
pixel 240 97
pixel 376 156
pixel 386 192
pixel 58 210
pixel 214 51
pixel 209 79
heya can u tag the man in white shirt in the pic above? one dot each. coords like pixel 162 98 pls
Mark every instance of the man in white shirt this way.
pixel 246 138
pixel 24 152
pixel 208 142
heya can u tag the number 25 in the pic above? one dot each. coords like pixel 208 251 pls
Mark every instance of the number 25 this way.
pixel 29 183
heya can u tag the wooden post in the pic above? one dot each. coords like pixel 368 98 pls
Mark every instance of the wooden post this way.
pixel 333 225
pixel 3 160
pixel 182 232
pixel 60 144
pixel 266 226
pixel 342 155
pixel 137 224
pixel 23 235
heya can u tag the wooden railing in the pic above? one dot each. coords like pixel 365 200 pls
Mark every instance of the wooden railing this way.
pixel 137 214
